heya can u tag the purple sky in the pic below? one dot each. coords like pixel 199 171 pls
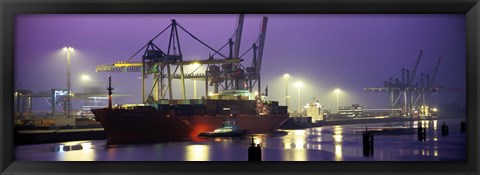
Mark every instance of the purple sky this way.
pixel 325 52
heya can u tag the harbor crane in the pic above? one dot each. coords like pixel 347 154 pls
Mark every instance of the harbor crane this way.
pixel 225 72
pixel 23 99
pixel 410 92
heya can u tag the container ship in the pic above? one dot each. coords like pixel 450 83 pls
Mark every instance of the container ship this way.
pixel 186 119
pixel 160 119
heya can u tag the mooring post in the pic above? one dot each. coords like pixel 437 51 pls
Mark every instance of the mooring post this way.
pixel 421 132
pixel 254 152
pixel 444 129
pixel 367 143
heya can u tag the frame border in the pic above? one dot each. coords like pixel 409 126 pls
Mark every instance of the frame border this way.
pixel 9 8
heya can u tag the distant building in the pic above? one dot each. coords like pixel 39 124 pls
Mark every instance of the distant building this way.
pixel 353 111
pixel 314 110
pixel 326 114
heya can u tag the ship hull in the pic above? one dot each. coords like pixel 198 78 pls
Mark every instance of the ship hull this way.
pixel 130 127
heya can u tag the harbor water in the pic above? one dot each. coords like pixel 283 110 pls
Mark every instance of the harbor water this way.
pixel 392 142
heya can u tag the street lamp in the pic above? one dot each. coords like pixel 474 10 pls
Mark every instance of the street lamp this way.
pixel 337 91
pixel 85 79
pixel 286 76
pixel 68 103
pixel 298 85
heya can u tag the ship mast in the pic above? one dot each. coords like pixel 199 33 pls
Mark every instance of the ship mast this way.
pixel 110 89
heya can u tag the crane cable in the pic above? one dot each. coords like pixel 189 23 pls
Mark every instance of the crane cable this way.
pixel 149 41
pixel 191 35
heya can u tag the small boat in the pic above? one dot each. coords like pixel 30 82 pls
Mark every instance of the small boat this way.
pixel 229 129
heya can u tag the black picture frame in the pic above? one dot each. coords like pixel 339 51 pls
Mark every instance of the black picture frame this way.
pixel 9 8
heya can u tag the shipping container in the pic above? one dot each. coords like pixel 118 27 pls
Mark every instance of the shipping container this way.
pixel 184 109
pixel 84 121
pixel 211 111
pixel 48 122
pixel 164 101
pixel 38 122
pixel 274 103
pixel 199 109
pixel 184 102
pixel 282 109
pixel 273 109
pixel 196 101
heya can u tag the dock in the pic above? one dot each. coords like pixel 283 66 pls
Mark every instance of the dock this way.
pixel 59 135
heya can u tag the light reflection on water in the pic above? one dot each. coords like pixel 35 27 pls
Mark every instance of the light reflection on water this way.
pixel 197 153
pixel 328 143
pixel 337 137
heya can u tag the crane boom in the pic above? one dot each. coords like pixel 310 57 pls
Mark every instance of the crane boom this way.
pixel 416 66
pixel 137 66
pixel 435 71
pixel 261 44
pixel 238 36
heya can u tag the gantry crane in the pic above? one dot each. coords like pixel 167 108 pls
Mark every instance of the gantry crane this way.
pixel 408 92
pixel 226 72
pixel 54 97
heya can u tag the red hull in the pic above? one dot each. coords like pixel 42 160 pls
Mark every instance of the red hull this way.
pixel 129 126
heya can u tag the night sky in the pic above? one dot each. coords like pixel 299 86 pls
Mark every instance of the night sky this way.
pixel 350 52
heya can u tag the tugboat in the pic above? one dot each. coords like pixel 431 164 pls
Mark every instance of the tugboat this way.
pixel 229 129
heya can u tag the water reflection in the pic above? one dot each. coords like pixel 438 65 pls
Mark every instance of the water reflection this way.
pixel 75 151
pixel 295 139
pixel 86 146
pixel 328 143
pixel 295 145
pixel 299 132
pixel 338 130
pixel 197 153
pixel 258 140
pixel 425 123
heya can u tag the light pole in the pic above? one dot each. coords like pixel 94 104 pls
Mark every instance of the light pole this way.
pixel 68 104
pixel 337 91
pixel 299 85
pixel 286 76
